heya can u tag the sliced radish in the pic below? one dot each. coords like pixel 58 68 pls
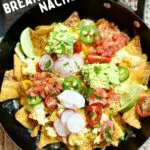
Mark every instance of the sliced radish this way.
pixel 61 128
pixel 67 65
pixel 71 99
pixel 66 115
pixel 75 123
pixel 45 63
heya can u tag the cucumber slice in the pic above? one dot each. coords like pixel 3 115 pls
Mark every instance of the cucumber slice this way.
pixel 26 43
pixel 129 105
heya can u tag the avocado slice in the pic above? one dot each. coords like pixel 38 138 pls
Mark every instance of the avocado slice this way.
pixel 26 43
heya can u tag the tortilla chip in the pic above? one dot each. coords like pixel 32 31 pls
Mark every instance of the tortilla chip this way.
pixel 102 21
pixel 23 101
pixel 134 47
pixel 140 74
pixel 131 118
pixel 84 146
pixel 53 117
pixel 118 132
pixel 115 143
pixel 24 86
pixel 45 140
pixel 44 29
pixel 17 68
pixel 146 74
pixel 10 87
pixel 22 116
pixel 82 113
pixel 73 20
pixel 39 37
pixel 35 131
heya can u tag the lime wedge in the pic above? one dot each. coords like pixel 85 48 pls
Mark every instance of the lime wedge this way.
pixel 129 105
pixel 26 43
pixel 19 52
pixel 128 100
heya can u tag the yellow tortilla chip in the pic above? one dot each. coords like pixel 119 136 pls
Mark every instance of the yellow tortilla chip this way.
pixel 10 87
pixel 134 47
pixel 35 131
pixel 118 132
pixel 146 74
pixel 82 113
pixel 39 37
pixel 54 116
pixel 23 101
pixel 24 86
pixel 44 29
pixel 73 20
pixel 22 116
pixel 45 140
pixel 115 143
pixel 102 21
pixel 17 68
pixel 131 118
pixel 85 146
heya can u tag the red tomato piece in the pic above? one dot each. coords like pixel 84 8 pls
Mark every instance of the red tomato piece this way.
pixel 77 46
pixel 51 103
pixel 94 114
pixel 38 69
pixel 98 59
pixel 143 107
pixel 113 96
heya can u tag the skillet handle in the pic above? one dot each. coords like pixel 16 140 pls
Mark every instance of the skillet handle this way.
pixel 140 7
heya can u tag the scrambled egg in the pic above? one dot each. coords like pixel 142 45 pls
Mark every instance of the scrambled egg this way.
pixel 123 56
pixel 75 139
pixel 51 132
pixel 96 130
pixel 31 67
pixel 97 140
pixel 38 113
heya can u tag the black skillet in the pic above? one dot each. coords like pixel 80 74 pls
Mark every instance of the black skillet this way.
pixel 94 9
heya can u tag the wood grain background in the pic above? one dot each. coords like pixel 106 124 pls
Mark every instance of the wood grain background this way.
pixel 5 142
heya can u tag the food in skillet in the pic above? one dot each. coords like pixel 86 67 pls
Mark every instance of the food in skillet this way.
pixel 79 82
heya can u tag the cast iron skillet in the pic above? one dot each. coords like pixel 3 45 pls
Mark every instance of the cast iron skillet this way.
pixel 93 9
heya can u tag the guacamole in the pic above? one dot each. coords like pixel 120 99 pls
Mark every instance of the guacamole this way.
pixel 101 75
pixel 61 40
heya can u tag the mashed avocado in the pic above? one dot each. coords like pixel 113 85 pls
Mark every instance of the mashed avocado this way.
pixel 61 40
pixel 101 75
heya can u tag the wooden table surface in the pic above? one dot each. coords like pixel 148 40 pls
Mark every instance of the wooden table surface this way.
pixel 5 142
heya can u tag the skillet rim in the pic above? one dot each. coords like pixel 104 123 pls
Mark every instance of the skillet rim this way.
pixel 31 9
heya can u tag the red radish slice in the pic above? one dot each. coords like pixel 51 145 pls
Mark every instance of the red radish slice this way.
pixel 66 115
pixel 45 63
pixel 75 123
pixel 61 128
